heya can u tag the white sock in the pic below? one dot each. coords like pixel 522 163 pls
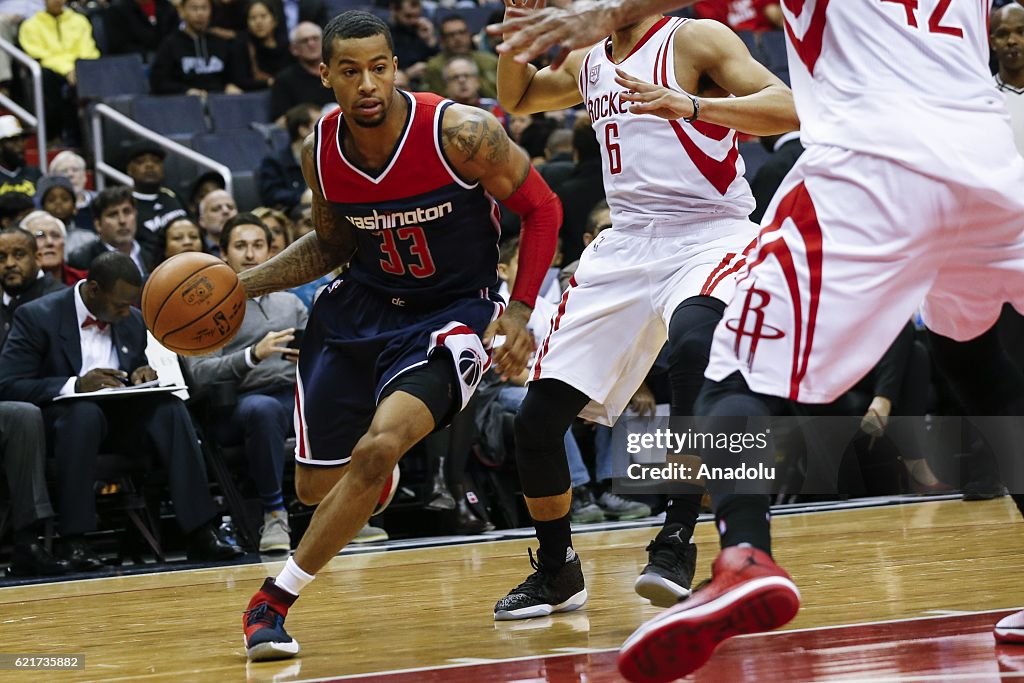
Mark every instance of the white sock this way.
pixel 292 578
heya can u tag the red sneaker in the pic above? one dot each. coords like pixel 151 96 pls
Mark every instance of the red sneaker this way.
pixel 263 624
pixel 1010 629
pixel 390 486
pixel 748 593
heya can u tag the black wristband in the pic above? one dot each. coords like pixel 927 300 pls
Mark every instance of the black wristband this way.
pixel 696 109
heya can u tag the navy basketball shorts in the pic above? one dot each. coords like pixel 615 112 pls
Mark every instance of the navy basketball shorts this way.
pixel 357 342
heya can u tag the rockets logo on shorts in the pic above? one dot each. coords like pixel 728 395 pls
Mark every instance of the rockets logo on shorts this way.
pixel 751 324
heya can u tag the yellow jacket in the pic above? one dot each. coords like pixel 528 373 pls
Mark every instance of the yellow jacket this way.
pixel 58 42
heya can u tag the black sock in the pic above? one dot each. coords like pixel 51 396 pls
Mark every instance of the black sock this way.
pixel 744 519
pixel 555 538
pixel 681 513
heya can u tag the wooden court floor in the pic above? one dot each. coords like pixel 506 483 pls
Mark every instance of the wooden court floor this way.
pixel 382 612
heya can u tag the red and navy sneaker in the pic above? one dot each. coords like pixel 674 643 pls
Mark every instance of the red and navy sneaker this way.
pixel 263 623
pixel 390 486
pixel 748 593
pixel 1010 629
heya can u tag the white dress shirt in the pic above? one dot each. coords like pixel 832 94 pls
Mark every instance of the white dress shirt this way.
pixel 97 345
pixel 136 255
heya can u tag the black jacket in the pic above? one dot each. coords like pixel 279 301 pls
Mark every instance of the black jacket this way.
pixel 44 348
pixel 769 176
pixel 38 288
pixel 129 29
pixel 295 86
pixel 280 180
pixel 182 62
pixel 83 256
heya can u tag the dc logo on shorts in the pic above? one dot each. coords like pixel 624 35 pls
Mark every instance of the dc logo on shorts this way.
pixel 334 285
pixel 471 367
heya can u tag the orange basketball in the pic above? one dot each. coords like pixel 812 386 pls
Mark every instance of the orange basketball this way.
pixel 193 303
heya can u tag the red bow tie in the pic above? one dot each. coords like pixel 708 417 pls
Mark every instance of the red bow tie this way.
pixel 90 321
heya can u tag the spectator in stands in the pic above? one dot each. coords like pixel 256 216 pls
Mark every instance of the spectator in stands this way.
pixel 51 241
pixel 278 224
pixel 599 219
pixel 261 364
pixel 302 220
pixel 13 207
pixel 457 42
pixel 462 84
pixel 785 150
pixel 23 451
pixel 86 338
pixel 1006 33
pixel 214 210
pixel 156 205
pixel 55 194
pixel 413 36
pixel 57 38
pixel 21 278
pixel 72 167
pixel 179 236
pixel 582 191
pixel 202 186
pixel 192 61
pixel 15 176
pixel 262 51
pixel 300 83
pixel 139 26
pixel 116 224
pixel 558 158
pixel 280 178
pixel 297 11
pixel 742 15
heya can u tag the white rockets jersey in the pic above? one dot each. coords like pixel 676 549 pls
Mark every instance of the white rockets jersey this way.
pixel 657 169
pixel 903 79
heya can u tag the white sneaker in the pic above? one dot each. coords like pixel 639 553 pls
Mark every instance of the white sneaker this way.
pixel 370 534
pixel 276 535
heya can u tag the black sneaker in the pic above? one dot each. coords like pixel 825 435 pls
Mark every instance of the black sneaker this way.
pixel 668 576
pixel 544 592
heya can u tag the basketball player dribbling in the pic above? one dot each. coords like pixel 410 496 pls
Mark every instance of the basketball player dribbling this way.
pixel 909 191
pixel 679 205
pixel 403 192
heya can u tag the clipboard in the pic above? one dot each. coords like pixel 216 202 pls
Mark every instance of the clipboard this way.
pixel 121 392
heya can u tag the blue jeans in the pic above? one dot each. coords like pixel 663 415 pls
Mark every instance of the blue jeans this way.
pixel 261 422
pixel 511 397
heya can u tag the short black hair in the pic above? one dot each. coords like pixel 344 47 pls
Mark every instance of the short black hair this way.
pixel 30 239
pixel 241 219
pixel 354 24
pixel 161 234
pixel 14 205
pixel 109 267
pixel 298 116
pixel 449 18
pixel 585 144
pixel 508 249
pixel 112 196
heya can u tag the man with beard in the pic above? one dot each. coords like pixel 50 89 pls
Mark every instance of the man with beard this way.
pixel 157 206
pixel 15 176
pixel 20 276
pixel 1006 33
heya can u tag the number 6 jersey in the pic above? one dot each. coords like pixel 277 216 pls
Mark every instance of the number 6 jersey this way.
pixel 653 168
pixel 423 233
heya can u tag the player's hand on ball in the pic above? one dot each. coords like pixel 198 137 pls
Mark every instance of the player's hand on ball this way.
pixel 143 374
pixel 656 100
pixel 274 342
pixel 100 378
pixel 511 357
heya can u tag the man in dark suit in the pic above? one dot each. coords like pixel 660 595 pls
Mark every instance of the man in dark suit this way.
pixel 117 226
pixel 20 276
pixel 89 338
pixel 785 150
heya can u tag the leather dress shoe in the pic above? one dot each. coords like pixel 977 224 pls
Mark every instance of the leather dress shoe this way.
pixel 206 545
pixel 35 560
pixel 466 522
pixel 80 556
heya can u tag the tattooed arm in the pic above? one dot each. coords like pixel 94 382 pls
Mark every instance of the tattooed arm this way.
pixel 313 255
pixel 480 151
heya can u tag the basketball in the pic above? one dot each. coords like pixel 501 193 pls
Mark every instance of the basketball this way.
pixel 193 303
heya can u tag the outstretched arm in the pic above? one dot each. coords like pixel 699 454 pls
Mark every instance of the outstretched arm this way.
pixel 523 89
pixel 314 254
pixel 761 103
pixel 481 151
pixel 530 34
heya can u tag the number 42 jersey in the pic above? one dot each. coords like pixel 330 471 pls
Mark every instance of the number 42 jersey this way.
pixel 423 233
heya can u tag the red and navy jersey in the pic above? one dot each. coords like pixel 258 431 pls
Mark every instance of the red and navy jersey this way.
pixel 423 233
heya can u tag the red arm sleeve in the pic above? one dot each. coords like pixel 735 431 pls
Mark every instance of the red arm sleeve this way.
pixel 541 214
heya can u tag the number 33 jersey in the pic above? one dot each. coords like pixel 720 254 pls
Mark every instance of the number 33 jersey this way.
pixel 423 233
pixel 655 169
